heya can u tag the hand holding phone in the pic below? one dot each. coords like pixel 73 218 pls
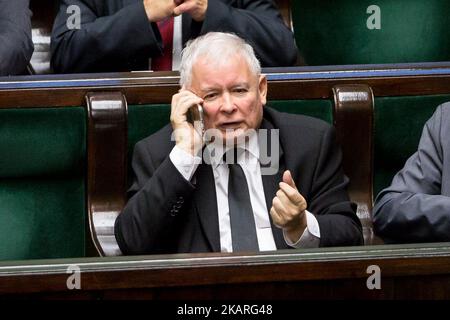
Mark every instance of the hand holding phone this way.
pixel 195 117
pixel 186 117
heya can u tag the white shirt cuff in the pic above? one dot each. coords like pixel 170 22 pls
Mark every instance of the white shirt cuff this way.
pixel 185 163
pixel 310 237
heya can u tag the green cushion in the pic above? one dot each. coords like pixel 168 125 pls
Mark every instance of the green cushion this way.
pixel 42 183
pixel 322 109
pixel 143 120
pixel 335 32
pixel 398 123
pixel 36 142
pixel 42 218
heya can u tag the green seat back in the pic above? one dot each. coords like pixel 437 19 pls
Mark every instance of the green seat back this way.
pixel 398 123
pixel 335 32
pixel 322 109
pixel 42 184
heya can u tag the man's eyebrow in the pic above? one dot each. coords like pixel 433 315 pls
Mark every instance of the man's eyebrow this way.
pixel 214 88
pixel 208 88
pixel 241 84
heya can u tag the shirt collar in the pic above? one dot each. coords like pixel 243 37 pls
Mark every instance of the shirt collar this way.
pixel 216 150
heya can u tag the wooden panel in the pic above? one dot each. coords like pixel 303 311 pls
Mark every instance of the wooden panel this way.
pixel 284 83
pixel 317 274
pixel 107 166
pixel 353 116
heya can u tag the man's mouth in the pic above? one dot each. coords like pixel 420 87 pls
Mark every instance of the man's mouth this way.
pixel 230 125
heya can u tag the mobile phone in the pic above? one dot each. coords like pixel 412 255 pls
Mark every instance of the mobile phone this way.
pixel 195 116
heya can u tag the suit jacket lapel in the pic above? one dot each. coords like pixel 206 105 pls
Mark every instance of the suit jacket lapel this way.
pixel 271 181
pixel 206 204
pixel 190 29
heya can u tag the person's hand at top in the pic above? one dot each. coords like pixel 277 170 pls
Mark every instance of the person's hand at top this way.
pixel 195 8
pixel 158 10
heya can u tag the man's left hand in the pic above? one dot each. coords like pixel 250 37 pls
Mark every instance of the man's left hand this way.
pixel 196 8
pixel 288 208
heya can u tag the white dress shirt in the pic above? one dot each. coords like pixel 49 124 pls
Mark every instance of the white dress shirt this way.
pixel 177 43
pixel 249 161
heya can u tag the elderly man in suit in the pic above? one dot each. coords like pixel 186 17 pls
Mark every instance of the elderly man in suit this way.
pixel 16 46
pixel 122 35
pixel 416 207
pixel 189 196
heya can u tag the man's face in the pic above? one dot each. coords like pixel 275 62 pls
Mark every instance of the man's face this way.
pixel 233 96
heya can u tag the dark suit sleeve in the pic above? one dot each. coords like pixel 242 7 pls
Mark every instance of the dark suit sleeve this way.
pixel 158 194
pixel 412 209
pixel 121 41
pixel 338 223
pixel 16 46
pixel 260 23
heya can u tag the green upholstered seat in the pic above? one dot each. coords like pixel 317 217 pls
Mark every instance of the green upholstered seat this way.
pixel 335 32
pixel 398 125
pixel 322 109
pixel 42 183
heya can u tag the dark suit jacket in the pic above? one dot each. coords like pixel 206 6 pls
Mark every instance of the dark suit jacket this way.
pixel 167 214
pixel 115 35
pixel 16 46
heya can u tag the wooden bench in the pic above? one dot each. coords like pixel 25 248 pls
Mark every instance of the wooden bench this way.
pixel 349 92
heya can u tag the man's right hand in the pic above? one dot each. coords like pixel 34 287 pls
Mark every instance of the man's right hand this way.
pixel 158 10
pixel 186 136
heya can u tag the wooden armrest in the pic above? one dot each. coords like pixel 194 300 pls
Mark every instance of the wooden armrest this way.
pixel 353 108
pixel 107 152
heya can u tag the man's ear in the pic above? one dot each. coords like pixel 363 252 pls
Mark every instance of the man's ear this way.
pixel 262 86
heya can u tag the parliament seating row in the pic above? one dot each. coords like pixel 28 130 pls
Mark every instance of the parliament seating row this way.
pixel 333 33
pixel 66 142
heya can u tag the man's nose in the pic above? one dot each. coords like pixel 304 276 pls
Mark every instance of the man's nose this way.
pixel 227 103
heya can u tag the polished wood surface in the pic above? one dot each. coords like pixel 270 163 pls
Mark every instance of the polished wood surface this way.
pixel 285 83
pixel 107 166
pixel 412 271
pixel 353 119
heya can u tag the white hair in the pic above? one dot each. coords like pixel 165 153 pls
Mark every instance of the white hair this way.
pixel 217 46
